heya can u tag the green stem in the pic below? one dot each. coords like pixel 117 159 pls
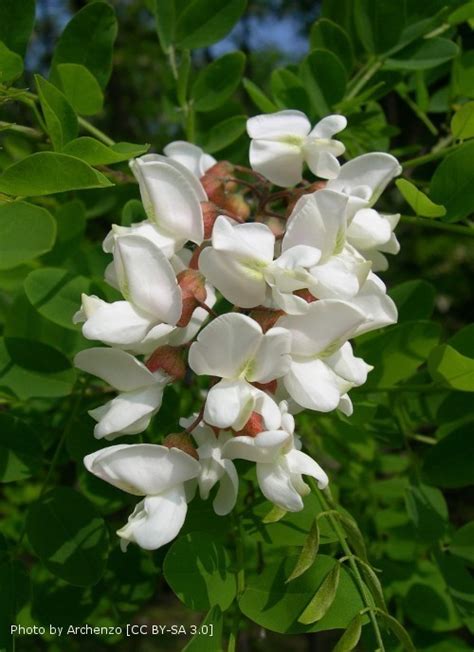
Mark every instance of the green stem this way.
pixel 426 158
pixel 85 124
pixel 328 502
pixel 172 62
pixel 440 226
pixel 419 113
pixel 369 73
pixel 26 131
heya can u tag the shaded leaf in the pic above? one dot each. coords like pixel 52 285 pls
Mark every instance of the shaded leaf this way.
pixel 94 152
pixel 26 231
pixel 323 598
pixel 308 553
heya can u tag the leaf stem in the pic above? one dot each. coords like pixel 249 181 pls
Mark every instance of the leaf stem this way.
pixel 440 226
pixel 367 76
pixel 328 502
pixel 426 158
pixel 85 124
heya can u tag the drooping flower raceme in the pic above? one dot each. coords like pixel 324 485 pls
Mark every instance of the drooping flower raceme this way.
pixel 249 296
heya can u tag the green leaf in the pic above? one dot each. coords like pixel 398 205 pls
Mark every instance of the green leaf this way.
pixel 59 115
pixel 223 134
pixel 423 55
pixel 463 13
pixel 259 98
pixel 463 75
pixel 289 90
pixel 351 636
pixel 21 454
pixel 453 183
pixel 217 81
pixel 204 22
pixel 379 24
pixel 323 598
pixel 182 82
pixel 88 40
pixel 462 542
pixel 428 511
pixel 165 19
pixel 397 352
pixel 94 152
pixel 398 630
pixel 373 584
pixel 421 204
pixel 46 173
pixel 133 211
pixel 55 293
pixel 70 219
pixel 16 23
pixel 354 535
pixel 450 463
pixel 414 299
pixel 462 122
pixel 325 79
pixel 198 570
pixel 202 641
pixel 308 553
pixel 11 64
pixel 328 35
pixel 68 536
pixel 276 605
pixel 26 383
pixel 448 366
pixel 26 231
pixel 81 88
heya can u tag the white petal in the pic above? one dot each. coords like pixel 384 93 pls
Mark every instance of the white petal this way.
pixel 267 408
pixel 299 462
pixel 156 520
pixel 338 278
pixel 272 358
pixel 253 241
pixel 171 195
pixel 328 126
pixel 127 414
pixel 276 486
pixel 116 324
pixel 374 170
pixel 226 496
pixel 147 278
pixel 378 308
pixel 313 385
pixel 368 229
pixel 345 364
pixel 345 405
pixel 225 346
pixel 263 449
pixel 278 125
pixel 192 157
pixel 229 404
pixel 241 284
pixel 279 162
pixel 142 469
pixel 323 163
pixel 119 369
pixel 327 324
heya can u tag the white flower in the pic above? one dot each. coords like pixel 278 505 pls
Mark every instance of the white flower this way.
pixel 363 179
pixel 140 391
pixel 240 264
pixel 192 157
pixel 323 367
pixel 378 308
pixel 153 471
pixel 172 197
pixel 283 141
pixel 234 348
pixel 152 303
pixel 279 463
pixel 215 469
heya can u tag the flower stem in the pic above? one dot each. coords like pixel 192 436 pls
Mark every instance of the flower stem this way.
pixel 440 226
pixel 329 505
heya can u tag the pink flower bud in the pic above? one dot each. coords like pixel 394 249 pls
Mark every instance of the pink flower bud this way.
pixel 169 360
pixel 253 427
pixel 193 292
pixel 266 318
pixel 182 441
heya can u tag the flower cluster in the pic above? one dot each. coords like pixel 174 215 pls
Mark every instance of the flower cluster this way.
pixel 258 289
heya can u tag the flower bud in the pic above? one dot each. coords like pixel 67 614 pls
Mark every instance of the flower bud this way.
pixel 212 181
pixel 235 204
pixel 270 387
pixel 182 441
pixel 306 190
pixel 253 427
pixel 306 295
pixel 169 360
pixel 193 292
pixel 266 318
pixel 210 213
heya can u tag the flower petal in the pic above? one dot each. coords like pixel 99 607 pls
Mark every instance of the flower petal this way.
pixel 248 448
pixel 225 346
pixel 142 469
pixel 253 241
pixel 272 358
pixel 226 496
pixel 115 324
pixel 374 171
pixel 313 385
pixel 192 157
pixel 328 126
pixel 299 462
pixel 119 369
pixel 156 520
pixel 275 484
pixel 147 278
pixel 229 404
pixel 347 366
pixel 274 126
pixel 279 162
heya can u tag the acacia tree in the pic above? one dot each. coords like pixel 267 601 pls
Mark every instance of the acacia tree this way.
pixel 197 324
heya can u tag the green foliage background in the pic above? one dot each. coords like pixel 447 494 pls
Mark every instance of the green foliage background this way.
pixel 401 468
